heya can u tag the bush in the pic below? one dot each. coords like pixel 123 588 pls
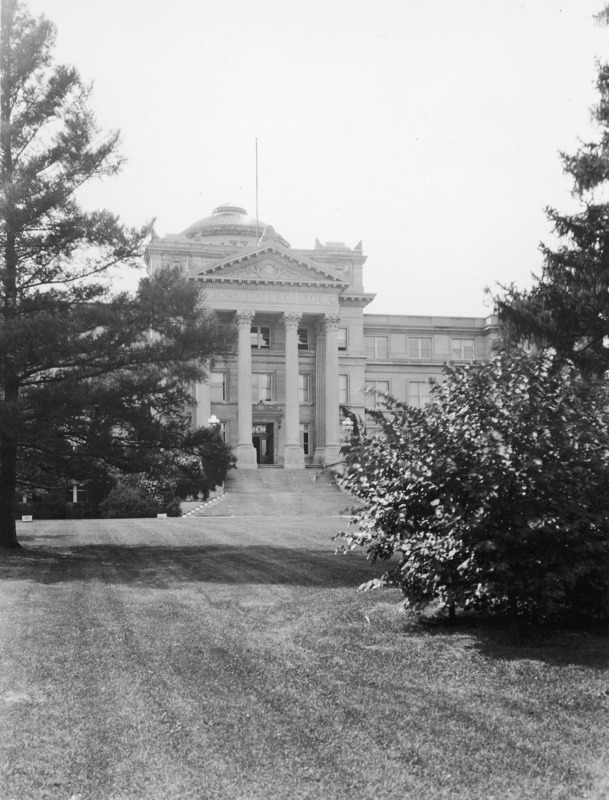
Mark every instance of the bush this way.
pixel 494 496
pixel 204 463
pixel 137 496
pixel 48 505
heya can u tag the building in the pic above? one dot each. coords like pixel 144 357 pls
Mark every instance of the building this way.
pixel 306 349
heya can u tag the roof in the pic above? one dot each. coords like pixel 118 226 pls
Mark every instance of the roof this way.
pixel 228 219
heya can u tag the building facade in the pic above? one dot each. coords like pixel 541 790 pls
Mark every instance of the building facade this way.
pixel 306 348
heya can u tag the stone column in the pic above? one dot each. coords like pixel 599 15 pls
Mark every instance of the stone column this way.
pixel 245 450
pixel 331 409
pixel 320 397
pixel 293 454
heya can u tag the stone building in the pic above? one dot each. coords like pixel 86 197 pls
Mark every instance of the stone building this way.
pixel 306 347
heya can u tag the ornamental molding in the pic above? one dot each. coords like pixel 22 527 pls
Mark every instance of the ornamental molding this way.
pixel 269 266
pixel 330 322
pixel 245 317
pixel 174 259
pixel 275 289
pixel 357 300
pixel 292 319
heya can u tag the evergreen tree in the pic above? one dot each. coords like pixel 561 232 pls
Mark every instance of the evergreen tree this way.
pixel 87 378
pixel 568 307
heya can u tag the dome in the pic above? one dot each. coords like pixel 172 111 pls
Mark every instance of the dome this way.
pixel 225 221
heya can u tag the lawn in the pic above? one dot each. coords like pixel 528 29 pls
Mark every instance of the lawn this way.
pixel 233 658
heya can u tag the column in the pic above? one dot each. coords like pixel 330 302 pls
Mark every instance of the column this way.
pixel 320 399
pixel 245 450
pixel 293 454
pixel 331 410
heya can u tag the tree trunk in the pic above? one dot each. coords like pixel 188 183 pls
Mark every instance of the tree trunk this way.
pixel 8 485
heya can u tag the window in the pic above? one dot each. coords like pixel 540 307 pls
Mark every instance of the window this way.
pixel 260 336
pixel 223 426
pixel 371 400
pixel 343 389
pixel 304 387
pixel 262 387
pixel 419 347
pixel 418 393
pixel 342 338
pixel 376 347
pixel 217 383
pixel 305 438
pixel 303 338
pixel 462 349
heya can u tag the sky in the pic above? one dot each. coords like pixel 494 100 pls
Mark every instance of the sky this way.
pixel 430 130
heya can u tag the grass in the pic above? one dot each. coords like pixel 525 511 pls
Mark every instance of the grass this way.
pixel 232 658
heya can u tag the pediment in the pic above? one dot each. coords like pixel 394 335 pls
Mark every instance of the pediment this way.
pixel 269 265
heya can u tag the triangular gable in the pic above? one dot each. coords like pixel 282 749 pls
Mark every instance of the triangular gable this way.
pixel 268 264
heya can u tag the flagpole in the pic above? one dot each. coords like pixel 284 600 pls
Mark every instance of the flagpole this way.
pixel 256 191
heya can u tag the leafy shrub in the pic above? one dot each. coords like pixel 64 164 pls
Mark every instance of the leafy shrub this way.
pixel 203 464
pixel 137 496
pixel 494 496
pixel 47 505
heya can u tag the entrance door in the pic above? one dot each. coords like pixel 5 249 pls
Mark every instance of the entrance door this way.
pixel 262 439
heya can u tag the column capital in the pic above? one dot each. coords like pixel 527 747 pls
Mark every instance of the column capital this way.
pixel 330 322
pixel 245 317
pixel 291 319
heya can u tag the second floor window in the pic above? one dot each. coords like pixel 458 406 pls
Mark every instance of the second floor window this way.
pixel 377 347
pixel 303 338
pixel 304 387
pixel 262 387
pixel 419 347
pixel 260 336
pixel 217 385
pixel 462 349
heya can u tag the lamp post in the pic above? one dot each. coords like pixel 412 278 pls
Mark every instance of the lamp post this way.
pixel 213 421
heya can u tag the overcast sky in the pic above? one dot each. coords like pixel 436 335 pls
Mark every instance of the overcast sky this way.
pixel 428 129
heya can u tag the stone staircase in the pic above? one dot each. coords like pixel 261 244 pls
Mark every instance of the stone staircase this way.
pixel 273 491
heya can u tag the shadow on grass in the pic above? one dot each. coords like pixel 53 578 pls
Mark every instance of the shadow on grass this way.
pixel 501 640
pixel 165 567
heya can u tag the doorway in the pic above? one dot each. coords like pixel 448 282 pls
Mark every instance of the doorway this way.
pixel 263 441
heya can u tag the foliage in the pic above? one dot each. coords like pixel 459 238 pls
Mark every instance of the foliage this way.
pixel 203 463
pixel 88 379
pixel 568 306
pixel 494 496
pixel 138 495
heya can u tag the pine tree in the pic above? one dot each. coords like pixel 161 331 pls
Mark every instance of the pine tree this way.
pixel 568 306
pixel 87 378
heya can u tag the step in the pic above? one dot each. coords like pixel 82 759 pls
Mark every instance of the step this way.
pixel 278 492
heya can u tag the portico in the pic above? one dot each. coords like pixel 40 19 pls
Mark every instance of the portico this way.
pixel 261 419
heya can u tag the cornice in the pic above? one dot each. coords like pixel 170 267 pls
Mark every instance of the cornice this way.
pixel 262 286
pixel 356 300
